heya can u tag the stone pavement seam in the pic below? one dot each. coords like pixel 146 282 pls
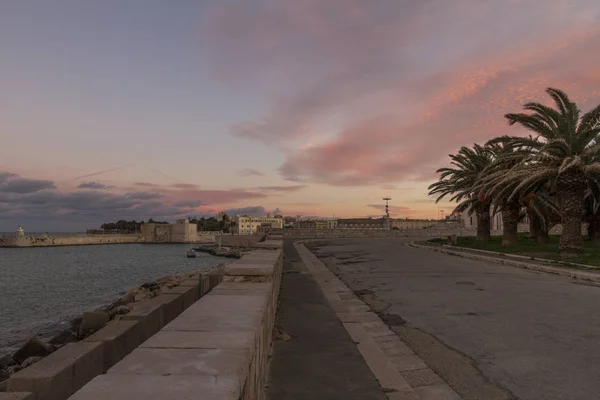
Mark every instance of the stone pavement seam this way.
pixel 392 362
pixel 582 275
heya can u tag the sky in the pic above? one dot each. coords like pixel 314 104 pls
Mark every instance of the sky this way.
pixel 145 108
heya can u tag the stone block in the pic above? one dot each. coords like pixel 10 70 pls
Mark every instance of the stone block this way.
pixel 256 269
pixel 195 283
pixel 219 313
pixel 93 321
pixel 149 313
pixel 172 306
pixel 156 387
pixel 187 294
pixel 201 340
pixel 61 373
pixel 204 285
pixel 224 363
pixel 243 288
pixel 17 396
pixel 119 338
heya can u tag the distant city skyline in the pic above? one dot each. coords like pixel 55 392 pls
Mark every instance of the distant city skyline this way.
pixel 129 110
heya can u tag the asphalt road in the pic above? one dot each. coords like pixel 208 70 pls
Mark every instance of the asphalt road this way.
pixel 493 332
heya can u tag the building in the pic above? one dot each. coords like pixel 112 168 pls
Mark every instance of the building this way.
pixel 181 231
pixel 470 222
pixel 402 224
pixel 249 225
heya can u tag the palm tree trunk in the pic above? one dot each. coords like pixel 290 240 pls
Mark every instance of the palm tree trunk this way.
pixel 594 227
pixel 510 222
pixel 570 187
pixel 483 222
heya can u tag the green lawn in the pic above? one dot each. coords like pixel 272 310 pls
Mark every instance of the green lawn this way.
pixel 530 247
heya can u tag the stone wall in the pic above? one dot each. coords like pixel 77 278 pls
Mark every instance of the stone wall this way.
pixel 77 240
pixel 373 233
pixel 68 369
pixel 216 349
pixel 239 240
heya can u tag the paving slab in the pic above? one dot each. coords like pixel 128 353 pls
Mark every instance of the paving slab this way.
pixel 157 387
pixel 201 340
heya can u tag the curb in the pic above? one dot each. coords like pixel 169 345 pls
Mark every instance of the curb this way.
pixel 582 275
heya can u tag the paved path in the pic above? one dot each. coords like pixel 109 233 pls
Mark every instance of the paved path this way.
pixel 493 332
pixel 320 360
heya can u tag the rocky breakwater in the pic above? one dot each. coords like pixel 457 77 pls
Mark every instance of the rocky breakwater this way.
pixel 83 327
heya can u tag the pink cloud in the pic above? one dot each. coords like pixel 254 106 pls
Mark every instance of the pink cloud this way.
pixel 383 91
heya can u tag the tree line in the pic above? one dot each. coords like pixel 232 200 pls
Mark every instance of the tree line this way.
pixel 127 226
pixel 552 175
pixel 203 224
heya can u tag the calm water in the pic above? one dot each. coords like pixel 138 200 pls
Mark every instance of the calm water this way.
pixel 41 289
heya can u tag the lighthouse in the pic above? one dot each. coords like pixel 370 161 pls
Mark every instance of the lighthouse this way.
pixel 20 232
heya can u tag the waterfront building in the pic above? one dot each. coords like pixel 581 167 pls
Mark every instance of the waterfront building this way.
pixel 249 225
pixel 182 231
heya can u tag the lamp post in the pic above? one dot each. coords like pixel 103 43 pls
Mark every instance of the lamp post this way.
pixel 387 212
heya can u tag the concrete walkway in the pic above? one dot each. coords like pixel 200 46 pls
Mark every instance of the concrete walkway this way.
pixel 319 361
pixel 493 332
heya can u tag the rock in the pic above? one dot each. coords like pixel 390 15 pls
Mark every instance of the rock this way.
pixel 6 361
pixel 76 323
pixel 64 337
pixel 14 368
pixel 93 321
pixel 119 310
pixel 33 347
pixel 3 384
pixel 4 375
pixel 149 286
pixel 140 295
pixel 30 361
pixel 126 299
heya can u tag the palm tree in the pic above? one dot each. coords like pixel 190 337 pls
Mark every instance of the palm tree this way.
pixel 460 180
pixel 565 154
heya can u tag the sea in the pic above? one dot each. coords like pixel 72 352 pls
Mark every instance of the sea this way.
pixel 43 288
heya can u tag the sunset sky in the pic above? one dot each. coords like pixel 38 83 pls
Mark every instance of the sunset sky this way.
pixel 147 108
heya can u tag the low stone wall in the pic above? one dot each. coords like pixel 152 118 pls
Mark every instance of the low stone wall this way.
pixel 373 233
pixel 239 240
pixel 216 349
pixel 68 369
pixel 78 240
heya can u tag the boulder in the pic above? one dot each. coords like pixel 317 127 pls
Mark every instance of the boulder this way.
pixel 140 295
pixel 126 299
pixel 4 375
pixel 33 347
pixel 30 361
pixel 119 310
pixel 6 361
pixel 93 321
pixel 64 337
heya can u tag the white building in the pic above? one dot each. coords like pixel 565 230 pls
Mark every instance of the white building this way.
pixel 249 225
pixel 470 221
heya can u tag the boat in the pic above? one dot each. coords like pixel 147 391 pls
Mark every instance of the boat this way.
pixel 191 253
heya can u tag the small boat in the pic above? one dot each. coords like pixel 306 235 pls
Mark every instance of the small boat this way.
pixel 191 253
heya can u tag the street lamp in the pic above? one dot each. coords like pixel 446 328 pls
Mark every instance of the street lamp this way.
pixel 387 212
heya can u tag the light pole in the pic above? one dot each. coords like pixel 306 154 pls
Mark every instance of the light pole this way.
pixel 387 212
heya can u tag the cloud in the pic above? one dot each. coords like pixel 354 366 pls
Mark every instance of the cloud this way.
pixel 11 183
pixel 188 204
pixel 184 186
pixel 4 176
pixel 250 172
pixel 144 195
pixel 382 91
pixel 94 186
pixel 292 188
pixel 146 184
pixel 252 211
